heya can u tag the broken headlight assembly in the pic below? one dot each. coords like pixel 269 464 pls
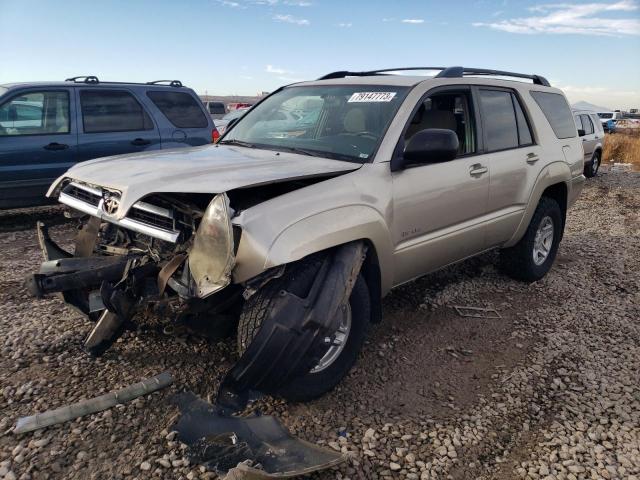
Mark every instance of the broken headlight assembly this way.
pixel 211 256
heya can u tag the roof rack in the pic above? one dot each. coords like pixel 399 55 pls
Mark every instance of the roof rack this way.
pixel 172 83
pixel 94 80
pixel 369 73
pixel 458 72
pixel 445 72
pixel 83 79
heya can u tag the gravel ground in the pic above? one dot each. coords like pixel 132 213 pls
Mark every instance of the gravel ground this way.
pixel 549 391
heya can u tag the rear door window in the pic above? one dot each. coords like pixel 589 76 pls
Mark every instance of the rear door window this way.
pixel 498 120
pixel 112 111
pixel 180 108
pixel 558 114
pixel 35 113
pixel 586 124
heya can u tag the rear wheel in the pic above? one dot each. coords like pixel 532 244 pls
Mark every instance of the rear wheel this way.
pixel 532 257
pixel 345 343
pixel 591 169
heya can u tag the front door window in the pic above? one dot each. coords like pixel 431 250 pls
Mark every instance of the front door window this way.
pixel 35 113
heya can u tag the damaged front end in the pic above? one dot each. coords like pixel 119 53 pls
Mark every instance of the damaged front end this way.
pixel 173 256
pixel 167 255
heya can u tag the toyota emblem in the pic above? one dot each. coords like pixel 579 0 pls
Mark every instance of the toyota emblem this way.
pixel 110 203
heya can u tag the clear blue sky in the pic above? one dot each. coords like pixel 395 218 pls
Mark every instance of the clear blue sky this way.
pixel 246 46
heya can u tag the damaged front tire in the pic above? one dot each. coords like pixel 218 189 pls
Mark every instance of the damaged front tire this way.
pixel 345 344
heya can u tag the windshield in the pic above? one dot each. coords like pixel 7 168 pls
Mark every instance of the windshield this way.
pixel 339 122
pixel 605 115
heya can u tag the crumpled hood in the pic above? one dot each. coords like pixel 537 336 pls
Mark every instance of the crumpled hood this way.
pixel 206 169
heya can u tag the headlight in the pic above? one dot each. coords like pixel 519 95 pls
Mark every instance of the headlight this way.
pixel 211 257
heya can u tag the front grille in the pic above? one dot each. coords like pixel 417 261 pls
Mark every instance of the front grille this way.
pixel 149 218
pixel 82 194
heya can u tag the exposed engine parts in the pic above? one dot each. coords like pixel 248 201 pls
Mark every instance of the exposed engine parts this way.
pixel 116 274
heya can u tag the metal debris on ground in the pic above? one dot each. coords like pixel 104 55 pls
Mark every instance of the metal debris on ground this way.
pixel 477 312
pixel 93 405
pixel 245 448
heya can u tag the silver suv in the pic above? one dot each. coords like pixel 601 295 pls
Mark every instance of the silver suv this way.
pixel 591 131
pixel 312 207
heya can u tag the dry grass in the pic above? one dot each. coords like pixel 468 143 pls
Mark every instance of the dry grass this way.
pixel 622 148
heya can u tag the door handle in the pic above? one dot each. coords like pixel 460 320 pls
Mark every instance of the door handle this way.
pixel 56 146
pixel 477 169
pixel 140 142
pixel 532 158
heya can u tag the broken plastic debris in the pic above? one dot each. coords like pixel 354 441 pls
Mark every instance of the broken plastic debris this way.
pixel 246 448
pixel 477 312
pixel 93 405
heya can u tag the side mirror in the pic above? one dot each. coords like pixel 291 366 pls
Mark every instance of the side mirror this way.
pixel 432 145
pixel 581 132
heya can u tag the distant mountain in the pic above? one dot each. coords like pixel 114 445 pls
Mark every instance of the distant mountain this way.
pixel 590 106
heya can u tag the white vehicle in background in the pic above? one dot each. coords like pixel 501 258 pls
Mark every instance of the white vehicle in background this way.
pixel 592 133
pixel 609 119
pixel 217 110
pixel 222 123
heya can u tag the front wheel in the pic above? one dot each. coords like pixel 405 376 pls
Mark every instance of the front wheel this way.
pixel 345 343
pixel 532 257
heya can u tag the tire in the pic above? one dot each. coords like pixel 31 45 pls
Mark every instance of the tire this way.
pixel 298 280
pixel 591 169
pixel 518 261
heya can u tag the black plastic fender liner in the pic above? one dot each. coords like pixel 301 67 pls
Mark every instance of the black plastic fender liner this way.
pixel 75 273
pixel 296 332
pixel 256 447
pixel 50 249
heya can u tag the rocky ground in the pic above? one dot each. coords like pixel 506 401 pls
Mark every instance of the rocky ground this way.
pixel 551 390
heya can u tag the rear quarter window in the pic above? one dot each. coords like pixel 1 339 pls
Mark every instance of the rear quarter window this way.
pixel 558 114
pixel 180 108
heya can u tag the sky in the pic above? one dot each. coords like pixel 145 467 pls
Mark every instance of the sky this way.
pixel 589 49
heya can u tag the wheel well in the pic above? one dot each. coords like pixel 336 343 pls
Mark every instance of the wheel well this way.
pixel 371 273
pixel 558 192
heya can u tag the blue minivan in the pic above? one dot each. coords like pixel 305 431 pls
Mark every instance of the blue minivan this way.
pixel 47 127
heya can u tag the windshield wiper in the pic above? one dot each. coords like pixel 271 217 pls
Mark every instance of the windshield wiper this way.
pixel 239 143
pixel 304 151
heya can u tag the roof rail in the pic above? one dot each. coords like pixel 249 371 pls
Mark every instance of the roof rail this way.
pixel 83 79
pixel 458 72
pixel 445 72
pixel 368 73
pixel 172 83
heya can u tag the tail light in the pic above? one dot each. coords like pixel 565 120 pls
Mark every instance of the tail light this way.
pixel 215 135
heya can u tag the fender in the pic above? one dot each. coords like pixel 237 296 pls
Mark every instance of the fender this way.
pixel 552 174
pixel 315 233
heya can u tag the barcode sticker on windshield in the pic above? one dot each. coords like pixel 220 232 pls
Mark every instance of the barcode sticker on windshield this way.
pixel 372 97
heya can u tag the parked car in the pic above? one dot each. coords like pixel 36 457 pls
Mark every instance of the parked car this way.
pixel 232 116
pixel 591 131
pixel 216 109
pixel 238 105
pixel 298 236
pixel 45 128
pixel 609 119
